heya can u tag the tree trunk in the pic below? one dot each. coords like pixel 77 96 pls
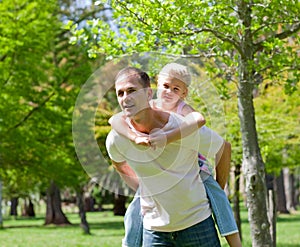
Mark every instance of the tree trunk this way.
pixel 14 206
pixel 89 204
pixel 253 165
pixel 236 198
pixel 272 212
pixel 295 196
pixel 254 171
pixel 30 211
pixel 83 222
pixel 281 200
pixel 297 186
pixel 288 189
pixel 1 218
pixel 28 208
pixel 54 213
pixel 119 204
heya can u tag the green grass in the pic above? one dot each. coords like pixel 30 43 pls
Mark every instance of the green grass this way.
pixel 288 227
pixel 107 231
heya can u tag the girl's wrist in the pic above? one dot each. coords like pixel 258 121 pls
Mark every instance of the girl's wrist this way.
pixel 132 137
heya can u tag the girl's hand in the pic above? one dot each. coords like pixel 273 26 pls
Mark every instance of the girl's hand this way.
pixel 142 140
pixel 158 138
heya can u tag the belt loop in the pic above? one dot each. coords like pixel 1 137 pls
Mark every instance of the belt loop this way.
pixel 174 235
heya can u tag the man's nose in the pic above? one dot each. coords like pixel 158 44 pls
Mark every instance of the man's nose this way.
pixel 126 97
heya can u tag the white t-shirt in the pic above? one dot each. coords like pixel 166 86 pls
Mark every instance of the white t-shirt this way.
pixel 172 193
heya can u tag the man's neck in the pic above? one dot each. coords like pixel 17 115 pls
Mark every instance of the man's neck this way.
pixel 150 119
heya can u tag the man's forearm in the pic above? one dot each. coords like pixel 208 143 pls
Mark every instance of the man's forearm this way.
pixel 127 174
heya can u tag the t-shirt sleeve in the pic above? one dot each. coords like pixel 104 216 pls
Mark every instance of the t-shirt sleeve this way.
pixel 209 142
pixel 111 147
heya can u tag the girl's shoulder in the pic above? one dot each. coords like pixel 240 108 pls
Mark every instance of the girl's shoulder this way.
pixel 183 108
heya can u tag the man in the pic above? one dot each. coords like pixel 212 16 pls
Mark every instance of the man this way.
pixel 173 199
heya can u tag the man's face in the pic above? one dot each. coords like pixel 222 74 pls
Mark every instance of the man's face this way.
pixel 132 97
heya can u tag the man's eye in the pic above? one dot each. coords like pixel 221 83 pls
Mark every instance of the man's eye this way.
pixel 120 94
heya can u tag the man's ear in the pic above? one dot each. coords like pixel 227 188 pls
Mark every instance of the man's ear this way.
pixel 150 94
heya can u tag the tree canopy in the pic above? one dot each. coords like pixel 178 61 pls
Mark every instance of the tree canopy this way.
pixel 41 75
pixel 250 42
pixel 250 48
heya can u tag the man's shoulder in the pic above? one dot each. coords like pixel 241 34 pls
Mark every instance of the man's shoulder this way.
pixel 112 134
pixel 115 145
pixel 113 137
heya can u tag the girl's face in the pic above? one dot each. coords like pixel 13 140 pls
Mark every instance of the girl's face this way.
pixel 170 90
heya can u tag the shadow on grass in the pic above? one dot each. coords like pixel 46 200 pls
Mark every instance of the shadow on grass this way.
pixel 281 218
pixel 290 218
pixel 107 225
pixel 23 218
pixel 100 225
pixel 287 245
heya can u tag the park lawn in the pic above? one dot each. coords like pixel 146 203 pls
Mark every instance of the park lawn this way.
pixel 107 231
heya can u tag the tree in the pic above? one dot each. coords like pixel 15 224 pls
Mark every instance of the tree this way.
pixel 54 213
pixel 277 116
pixel 41 74
pixel 1 219
pixel 23 44
pixel 251 41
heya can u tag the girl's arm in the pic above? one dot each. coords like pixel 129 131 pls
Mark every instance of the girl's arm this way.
pixel 193 121
pixel 222 161
pixel 119 124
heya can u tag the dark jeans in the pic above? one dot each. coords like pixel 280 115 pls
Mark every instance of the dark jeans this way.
pixel 203 234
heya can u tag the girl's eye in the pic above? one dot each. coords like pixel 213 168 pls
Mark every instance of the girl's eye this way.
pixel 176 89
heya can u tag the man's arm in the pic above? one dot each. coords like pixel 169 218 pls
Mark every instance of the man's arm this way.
pixel 222 161
pixel 127 174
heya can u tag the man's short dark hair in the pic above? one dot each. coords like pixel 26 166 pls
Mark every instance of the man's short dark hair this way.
pixel 142 76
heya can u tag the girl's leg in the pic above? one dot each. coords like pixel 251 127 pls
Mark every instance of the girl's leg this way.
pixel 234 240
pixel 222 210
